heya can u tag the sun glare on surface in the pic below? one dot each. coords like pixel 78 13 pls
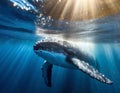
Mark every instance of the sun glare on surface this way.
pixel 80 9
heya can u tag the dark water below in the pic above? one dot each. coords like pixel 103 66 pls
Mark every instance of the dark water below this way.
pixel 20 68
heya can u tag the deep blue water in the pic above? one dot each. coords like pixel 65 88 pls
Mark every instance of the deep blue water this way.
pixel 20 68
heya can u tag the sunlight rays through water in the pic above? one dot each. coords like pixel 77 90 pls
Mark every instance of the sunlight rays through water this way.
pixel 79 9
pixel 20 68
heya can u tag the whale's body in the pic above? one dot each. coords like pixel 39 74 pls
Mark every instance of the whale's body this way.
pixel 62 53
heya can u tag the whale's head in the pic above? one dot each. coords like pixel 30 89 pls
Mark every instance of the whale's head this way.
pixel 47 48
pixel 42 49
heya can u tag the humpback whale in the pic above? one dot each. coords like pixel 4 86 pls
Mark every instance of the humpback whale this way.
pixel 64 54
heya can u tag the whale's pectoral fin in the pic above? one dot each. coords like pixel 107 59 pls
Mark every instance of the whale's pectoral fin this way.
pixel 47 73
pixel 85 67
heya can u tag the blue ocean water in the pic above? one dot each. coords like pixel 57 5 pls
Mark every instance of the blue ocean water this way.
pixel 20 68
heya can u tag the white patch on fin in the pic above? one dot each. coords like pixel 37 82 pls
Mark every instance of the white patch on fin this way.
pixel 85 67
